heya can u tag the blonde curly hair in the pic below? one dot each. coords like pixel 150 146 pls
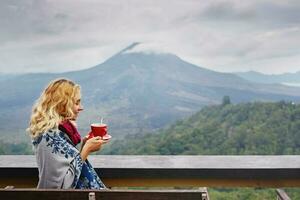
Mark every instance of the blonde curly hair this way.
pixel 55 105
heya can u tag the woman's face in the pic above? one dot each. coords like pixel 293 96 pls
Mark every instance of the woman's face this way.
pixel 77 107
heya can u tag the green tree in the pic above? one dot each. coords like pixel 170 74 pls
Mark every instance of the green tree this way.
pixel 226 100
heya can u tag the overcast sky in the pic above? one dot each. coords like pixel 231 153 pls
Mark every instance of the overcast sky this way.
pixel 227 36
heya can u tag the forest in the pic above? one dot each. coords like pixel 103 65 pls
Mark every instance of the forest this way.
pixel 243 129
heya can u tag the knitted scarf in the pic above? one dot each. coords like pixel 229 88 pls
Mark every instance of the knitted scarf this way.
pixel 69 128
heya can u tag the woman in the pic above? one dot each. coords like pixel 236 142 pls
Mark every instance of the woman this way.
pixel 54 136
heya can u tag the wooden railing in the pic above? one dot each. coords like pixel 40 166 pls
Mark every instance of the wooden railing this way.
pixel 161 171
pixel 170 171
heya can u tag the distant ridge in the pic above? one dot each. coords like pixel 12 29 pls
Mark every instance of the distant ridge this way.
pixel 274 78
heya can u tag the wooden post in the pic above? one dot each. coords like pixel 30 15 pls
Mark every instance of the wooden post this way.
pixel 205 195
pixel 92 196
pixel 282 195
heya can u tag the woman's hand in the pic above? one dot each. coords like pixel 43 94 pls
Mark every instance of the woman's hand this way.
pixel 91 145
pixel 94 144
pixel 83 142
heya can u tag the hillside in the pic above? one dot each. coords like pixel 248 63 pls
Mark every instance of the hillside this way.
pixel 246 128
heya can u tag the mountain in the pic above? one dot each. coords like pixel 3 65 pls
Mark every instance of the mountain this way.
pixel 136 92
pixel 292 79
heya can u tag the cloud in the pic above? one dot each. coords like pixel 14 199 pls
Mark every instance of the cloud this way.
pixel 55 36
pixel 258 14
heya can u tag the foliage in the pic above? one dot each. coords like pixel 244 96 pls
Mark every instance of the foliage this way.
pixel 226 100
pixel 22 148
pixel 242 193
pixel 250 193
pixel 248 128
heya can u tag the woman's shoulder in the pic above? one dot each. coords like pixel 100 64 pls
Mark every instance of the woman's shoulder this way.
pixel 54 142
pixel 51 134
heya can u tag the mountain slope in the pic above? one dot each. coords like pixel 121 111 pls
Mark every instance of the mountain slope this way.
pixel 248 128
pixel 137 92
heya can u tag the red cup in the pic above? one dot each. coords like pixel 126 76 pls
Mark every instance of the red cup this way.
pixel 90 135
pixel 99 129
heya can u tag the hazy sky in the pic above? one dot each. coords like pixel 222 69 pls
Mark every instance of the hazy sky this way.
pixel 66 35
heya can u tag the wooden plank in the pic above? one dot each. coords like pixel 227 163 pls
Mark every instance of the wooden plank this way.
pixel 255 171
pixel 140 182
pixel 20 194
pixel 272 169
pixel 282 195
pixel 171 162
pixel 134 182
